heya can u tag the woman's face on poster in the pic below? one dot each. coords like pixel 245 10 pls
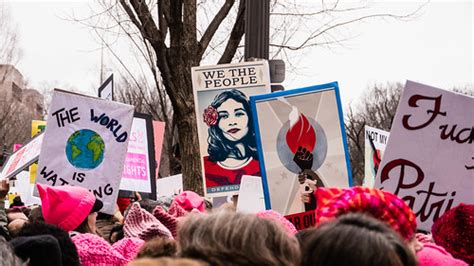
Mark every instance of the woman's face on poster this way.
pixel 233 120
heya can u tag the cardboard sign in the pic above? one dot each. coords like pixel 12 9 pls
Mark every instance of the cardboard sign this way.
pixel 85 144
pixel 225 128
pixel 375 143
pixel 22 158
pixel 429 160
pixel 296 130
pixel 139 167
pixel 169 186
pixel 251 199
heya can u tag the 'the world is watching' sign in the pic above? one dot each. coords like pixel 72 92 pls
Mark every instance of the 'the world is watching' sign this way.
pixel 85 145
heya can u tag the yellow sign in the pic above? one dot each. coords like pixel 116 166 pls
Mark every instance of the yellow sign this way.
pixel 37 126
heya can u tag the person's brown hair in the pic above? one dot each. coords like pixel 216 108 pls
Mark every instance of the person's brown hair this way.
pixel 355 239
pixel 227 238
pixel 166 261
pixel 158 247
pixel 84 227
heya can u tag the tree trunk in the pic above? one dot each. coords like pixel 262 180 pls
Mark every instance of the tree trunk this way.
pixel 189 147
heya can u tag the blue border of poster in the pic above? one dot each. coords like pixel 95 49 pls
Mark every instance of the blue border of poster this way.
pixel 274 95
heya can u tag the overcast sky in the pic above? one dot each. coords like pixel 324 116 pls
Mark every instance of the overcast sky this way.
pixel 436 49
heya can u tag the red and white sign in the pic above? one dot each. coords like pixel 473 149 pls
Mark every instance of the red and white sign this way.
pixel 429 159
pixel 22 158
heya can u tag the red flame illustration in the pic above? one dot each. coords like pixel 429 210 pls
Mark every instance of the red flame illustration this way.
pixel 376 158
pixel 301 134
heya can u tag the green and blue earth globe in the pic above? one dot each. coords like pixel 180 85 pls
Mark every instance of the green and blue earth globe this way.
pixel 85 149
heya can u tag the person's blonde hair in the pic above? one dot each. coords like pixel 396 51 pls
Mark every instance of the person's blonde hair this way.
pixel 227 238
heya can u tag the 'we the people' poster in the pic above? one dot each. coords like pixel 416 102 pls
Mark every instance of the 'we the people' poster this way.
pixel 226 135
pixel 429 159
pixel 85 144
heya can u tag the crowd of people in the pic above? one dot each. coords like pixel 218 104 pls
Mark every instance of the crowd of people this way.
pixel 354 226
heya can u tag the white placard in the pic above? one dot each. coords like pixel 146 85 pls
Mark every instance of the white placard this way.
pixel 24 188
pixel 85 144
pixel 169 186
pixel 251 199
pixel 429 160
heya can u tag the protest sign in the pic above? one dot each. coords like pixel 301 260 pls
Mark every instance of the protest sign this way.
pixel 17 146
pixel 225 128
pixel 37 126
pixel 251 199
pixel 375 143
pixel 106 90
pixel 22 158
pixel 429 160
pixel 302 220
pixel 158 137
pixel 85 144
pixel 169 186
pixel 300 131
pixel 139 167
pixel 21 186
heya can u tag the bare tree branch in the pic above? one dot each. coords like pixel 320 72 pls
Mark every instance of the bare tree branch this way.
pixel 214 25
pixel 163 9
pixel 235 35
pixel 189 26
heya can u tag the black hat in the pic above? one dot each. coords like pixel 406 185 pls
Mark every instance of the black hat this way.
pixel 39 250
pixel 97 206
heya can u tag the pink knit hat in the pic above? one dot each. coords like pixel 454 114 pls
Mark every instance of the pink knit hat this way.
pixel 140 223
pixel 176 210
pixel 454 231
pixel 189 200
pixel 128 247
pixel 168 220
pixel 382 205
pixel 93 250
pixel 273 215
pixel 65 206
pixel 434 255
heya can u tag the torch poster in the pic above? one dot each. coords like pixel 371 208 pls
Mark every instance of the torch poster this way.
pixel 429 159
pixel 225 128
pixel 85 144
pixel 301 145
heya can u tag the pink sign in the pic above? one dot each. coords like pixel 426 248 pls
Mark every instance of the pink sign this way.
pixel 158 134
pixel 135 166
pixel 16 146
